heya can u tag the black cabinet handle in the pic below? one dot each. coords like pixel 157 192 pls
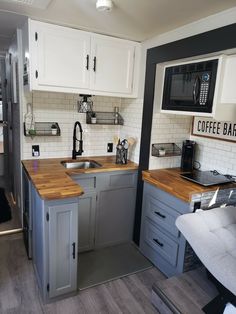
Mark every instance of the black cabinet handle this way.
pixel 94 64
pixel 159 214
pixel 87 62
pixel 158 242
pixel 73 250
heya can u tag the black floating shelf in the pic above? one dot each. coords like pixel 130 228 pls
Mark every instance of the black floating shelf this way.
pixel 108 118
pixel 43 129
pixel 165 150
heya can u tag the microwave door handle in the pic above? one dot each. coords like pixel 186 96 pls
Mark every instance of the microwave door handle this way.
pixel 196 89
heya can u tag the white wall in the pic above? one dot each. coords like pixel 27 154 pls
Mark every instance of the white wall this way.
pixel 132 110
pixel 213 154
pixel 170 128
pixel 62 108
pixel 218 20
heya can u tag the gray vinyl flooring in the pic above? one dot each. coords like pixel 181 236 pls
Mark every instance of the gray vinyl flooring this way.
pixel 100 266
pixel 19 292
pixel 185 293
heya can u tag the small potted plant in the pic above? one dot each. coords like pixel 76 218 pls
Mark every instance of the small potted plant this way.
pixel 54 129
pixel 161 151
pixel 93 118
pixel 32 132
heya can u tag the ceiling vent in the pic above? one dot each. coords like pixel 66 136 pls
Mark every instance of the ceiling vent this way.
pixel 39 4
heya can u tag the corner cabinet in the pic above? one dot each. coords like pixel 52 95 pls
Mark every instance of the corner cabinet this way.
pixel 115 208
pixel 54 242
pixel 106 209
pixel 102 216
pixel 62 59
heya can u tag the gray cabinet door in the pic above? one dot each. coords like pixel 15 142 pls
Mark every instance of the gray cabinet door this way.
pixel 87 210
pixel 115 216
pixel 63 235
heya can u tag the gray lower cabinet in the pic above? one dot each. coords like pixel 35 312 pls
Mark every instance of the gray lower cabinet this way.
pixel 115 216
pixel 102 216
pixel 160 240
pixel 106 209
pixel 86 232
pixel 62 248
pixel 55 241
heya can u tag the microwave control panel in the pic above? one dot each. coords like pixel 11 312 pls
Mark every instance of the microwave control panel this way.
pixel 204 87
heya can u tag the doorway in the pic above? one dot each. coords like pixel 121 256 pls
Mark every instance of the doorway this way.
pixel 2 181
pixel 10 213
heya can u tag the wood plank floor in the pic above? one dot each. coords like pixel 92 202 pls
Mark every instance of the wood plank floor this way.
pixel 185 293
pixel 19 292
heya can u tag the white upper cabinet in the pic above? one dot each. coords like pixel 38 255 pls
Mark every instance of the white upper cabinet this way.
pixel 113 65
pixel 225 109
pixel 228 80
pixel 63 59
pixel 61 56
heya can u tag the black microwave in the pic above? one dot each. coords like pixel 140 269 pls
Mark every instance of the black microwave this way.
pixel 190 87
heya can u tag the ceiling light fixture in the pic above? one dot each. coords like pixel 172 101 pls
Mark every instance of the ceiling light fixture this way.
pixel 104 5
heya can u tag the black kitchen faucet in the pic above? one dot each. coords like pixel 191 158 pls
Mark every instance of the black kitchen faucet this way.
pixel 80 151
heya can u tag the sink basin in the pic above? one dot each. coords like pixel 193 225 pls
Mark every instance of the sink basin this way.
pixel 83 164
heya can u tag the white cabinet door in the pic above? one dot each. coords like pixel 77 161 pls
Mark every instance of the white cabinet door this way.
pixel 112 65
pixel 228 93
pixel 63 235
pixel 60 57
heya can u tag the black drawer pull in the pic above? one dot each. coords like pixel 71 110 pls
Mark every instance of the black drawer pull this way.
pixel 161 215
pixel 94 64
pixel 73 250
pixel 87 62
pixel 158 242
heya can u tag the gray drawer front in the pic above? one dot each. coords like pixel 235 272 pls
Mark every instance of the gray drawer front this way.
pixel 161 243
pixel 121 180
pixel 170 200
pixel 162 215
pixel 86 182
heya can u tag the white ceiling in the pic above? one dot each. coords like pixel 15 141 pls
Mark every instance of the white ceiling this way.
pixel 133 19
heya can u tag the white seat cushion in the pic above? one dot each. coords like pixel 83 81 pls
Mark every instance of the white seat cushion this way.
pixel 212 235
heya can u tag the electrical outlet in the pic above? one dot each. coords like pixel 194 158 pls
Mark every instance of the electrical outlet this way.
pixel 35 151
pixel 109 147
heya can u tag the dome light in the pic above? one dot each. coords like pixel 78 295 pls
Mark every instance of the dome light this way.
pixel 104 5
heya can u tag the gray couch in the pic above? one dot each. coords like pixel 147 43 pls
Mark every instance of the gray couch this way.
pixel 212 235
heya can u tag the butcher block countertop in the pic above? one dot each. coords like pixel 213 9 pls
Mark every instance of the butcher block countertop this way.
pixel 52 180
pixel 169 180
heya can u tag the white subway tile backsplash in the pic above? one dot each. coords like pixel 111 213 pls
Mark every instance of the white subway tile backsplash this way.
pixel 62 108
pixel 168 129
pixel 216 154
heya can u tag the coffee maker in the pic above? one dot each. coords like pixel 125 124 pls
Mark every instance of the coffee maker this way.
pixel 188 152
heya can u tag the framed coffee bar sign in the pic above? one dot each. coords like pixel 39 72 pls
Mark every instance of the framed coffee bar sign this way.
pixel 220 130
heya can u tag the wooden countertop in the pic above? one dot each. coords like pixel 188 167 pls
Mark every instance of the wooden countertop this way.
pixel 169 180
pixel 52 180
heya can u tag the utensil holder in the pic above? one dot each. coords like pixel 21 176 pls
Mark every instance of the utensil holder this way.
pixel 121 156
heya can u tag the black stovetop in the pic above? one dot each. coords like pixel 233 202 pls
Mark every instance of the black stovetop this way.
pixel 207 178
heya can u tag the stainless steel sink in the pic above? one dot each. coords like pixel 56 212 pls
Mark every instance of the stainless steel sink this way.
pixel 83 164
